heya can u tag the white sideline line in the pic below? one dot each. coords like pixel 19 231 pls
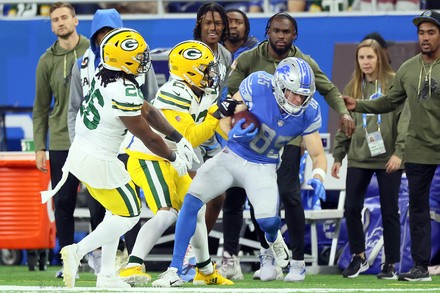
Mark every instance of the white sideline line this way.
pixel 211 289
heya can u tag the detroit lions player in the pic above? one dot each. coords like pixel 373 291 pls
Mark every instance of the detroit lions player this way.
pixel 285 108
pixel 187 102
pixel 113 106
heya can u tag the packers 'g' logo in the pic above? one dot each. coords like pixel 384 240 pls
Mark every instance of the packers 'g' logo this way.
pixel 129 44
pixel 192 54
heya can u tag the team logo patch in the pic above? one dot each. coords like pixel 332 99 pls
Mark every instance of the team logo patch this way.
pixel 129 44
pixel 427 13
pixel 192 54
pixel 85 62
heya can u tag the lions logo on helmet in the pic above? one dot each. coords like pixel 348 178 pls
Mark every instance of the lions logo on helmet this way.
pixel 194 63
pixel 124 49
pixel 295 75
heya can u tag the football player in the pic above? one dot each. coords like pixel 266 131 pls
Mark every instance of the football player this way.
pixel 114 105
pixel 284 105
pixel 188 102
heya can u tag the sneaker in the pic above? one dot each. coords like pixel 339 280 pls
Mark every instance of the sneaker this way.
pixel 231 268
pixel 356 266
pixel 268 270
pixel 134 276
pixel 212 279
pixel 416 273
pixel 112 281
pixel 281 251
pixel 297 271
pixel 388 272
pixel 170 278
pixel 71 262
pixel 188 270
pixel 94 261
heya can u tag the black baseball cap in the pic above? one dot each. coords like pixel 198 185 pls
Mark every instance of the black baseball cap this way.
pixel 378 38
pixel 428 16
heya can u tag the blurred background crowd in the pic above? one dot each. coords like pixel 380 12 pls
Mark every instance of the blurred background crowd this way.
pixel 24 9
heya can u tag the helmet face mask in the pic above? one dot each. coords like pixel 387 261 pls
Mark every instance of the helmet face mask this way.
pixel 124 49
pixel 212 75
pixel 194 63
pixel 293 76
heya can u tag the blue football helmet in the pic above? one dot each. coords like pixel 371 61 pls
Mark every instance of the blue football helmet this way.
pixel 295 75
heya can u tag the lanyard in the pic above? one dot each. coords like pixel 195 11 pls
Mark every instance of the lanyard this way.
pixel 377 94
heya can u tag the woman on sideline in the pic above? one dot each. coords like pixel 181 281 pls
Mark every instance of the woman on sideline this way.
pixel 375 147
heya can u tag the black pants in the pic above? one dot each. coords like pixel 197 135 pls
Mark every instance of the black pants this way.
pixel 419 182
pixel 233 218
pixel 65 199
pixel 290 193
pixel 357 183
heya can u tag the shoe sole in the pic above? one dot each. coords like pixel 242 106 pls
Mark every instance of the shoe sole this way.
pixel 361 270
pixel 427 279
pixel 387 278
pixel 136 280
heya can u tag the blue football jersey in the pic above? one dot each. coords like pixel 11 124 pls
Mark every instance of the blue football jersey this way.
pixel 277 127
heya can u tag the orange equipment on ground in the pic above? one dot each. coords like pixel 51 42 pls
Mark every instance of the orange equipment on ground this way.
pixel 25 223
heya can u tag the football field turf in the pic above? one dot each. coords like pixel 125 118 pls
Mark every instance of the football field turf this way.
pixel 19 279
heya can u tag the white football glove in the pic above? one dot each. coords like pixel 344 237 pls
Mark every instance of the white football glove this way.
pixel 186 151
pixel 180 165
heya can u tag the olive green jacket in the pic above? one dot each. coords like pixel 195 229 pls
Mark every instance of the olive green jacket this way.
pixel 49 115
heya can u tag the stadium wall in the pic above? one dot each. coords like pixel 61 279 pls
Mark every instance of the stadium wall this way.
pixel 24 40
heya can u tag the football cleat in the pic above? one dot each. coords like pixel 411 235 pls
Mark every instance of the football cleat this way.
pixel 215 278
pixel 167 279
pixel 134 276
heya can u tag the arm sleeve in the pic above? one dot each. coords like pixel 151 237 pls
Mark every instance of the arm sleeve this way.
pixel 40 112
pixel 342 146
pixel 196 134
pixel 238 73
pixel 150 86
pixel 75 100
pixel 402 130
pixel 387 103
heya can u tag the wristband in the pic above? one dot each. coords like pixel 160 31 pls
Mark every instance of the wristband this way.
pixel 320 172
pixel 175 136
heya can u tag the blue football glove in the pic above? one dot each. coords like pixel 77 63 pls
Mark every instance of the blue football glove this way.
pixel 318 187
pixel 242 135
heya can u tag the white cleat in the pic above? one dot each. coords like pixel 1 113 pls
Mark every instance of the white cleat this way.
pixel 268 270
pixel 297 271
pixel 167 279
pixel 281 251
pixel 231 268
pixel 110 281
pixel 71 261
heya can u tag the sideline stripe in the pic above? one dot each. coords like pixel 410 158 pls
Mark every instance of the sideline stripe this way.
pixel 212 289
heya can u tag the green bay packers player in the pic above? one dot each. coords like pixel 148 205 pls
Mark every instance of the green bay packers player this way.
pixel 188 101
pixel 113 106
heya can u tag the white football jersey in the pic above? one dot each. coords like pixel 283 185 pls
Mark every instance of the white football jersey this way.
pixel 177 96
pixel 100 132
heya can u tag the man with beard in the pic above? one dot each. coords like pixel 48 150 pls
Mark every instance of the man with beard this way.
pixel 52 85
pixel 417 81
pixel 239 40
pixel 281 32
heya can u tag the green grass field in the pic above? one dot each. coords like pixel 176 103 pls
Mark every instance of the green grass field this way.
pixel 19 279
